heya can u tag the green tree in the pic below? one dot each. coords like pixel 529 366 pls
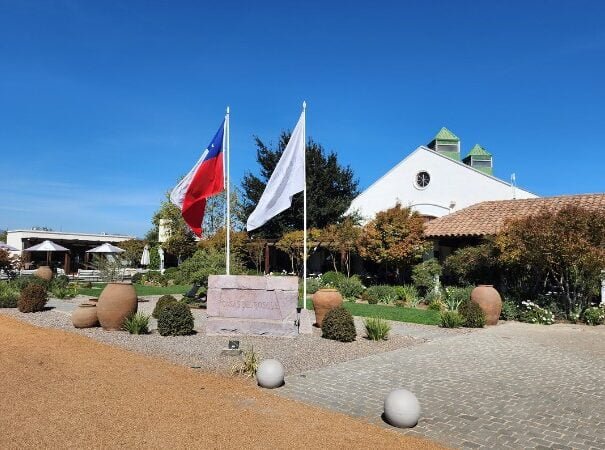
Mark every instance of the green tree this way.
pixel 134 250
pixel 394 238
pixel 330 188
pixel 181 241
pixel 3 235
pixel 341 239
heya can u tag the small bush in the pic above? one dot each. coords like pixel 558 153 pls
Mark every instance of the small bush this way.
pixel 451 319
pixel 161 303
pixel 472 314
pixel 33 299
pixel 313 285
pixel 332 279
pixel 338 325
pixel 175 319
pixel 381 293
pixel 436 305
pixel 22 282
pixel 248 365
pixel 425 275
pixel 377 329
pixel 137 324
pixel 453 296
pixel 137 278
pixel 408 293
pixel 509 311
pixel 594 316
pixel 59 282
pixel 9 299
pixel 532 313
pixel 350 288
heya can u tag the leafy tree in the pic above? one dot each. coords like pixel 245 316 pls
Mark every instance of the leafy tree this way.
pixel 134 250
pixel 565 249
pixel 473 265
pixel 181 241
pixel 9 264
pixel 330 188
pixel 218 242
pixel 394 237
pixel 425 275
pixel 292 243
pixel 341 238
pixel 3 235
pixel 255 250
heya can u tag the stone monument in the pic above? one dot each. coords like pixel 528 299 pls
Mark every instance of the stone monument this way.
pixel 256 305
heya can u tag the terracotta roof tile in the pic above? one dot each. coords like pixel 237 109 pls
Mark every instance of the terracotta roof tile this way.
pixel 487 218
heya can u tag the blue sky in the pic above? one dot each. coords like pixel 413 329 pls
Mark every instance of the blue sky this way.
pixel 103 105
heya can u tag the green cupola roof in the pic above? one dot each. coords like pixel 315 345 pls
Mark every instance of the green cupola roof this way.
pixel 446 135
pixel 477 150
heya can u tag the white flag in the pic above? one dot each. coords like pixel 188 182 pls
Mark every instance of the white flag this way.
pixel 287 179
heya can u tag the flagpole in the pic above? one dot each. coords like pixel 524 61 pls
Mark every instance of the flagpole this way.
pixel 305 205
pixel 228 143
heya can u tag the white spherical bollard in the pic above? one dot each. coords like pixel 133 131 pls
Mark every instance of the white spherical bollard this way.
pixel 402 409
pixel 270 374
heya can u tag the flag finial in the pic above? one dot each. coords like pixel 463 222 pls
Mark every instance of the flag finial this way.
pixel 227 110
pixel 304 104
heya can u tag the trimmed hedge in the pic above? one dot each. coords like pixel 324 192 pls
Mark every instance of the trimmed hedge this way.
pixel 162 302
pixel 338 325
pixel 33 299
pixel 472 314
pixel 175 319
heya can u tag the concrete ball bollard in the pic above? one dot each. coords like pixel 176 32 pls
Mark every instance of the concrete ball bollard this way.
pixel 270 374
pixel 402 409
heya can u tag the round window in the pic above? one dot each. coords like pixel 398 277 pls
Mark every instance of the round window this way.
pixel 423 179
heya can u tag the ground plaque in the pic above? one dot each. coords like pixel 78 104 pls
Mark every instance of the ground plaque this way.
pixel 257 305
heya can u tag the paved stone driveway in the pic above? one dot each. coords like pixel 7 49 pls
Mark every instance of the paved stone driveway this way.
pixel 510 386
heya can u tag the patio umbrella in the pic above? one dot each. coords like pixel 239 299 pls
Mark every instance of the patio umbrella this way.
pixel 106 248
pixel 48 247
pixel 161 253
pixel 7 247
pixel 145 256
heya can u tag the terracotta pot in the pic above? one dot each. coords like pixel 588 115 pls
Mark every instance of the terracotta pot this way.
pixel 490 302
pixel 85 316
pixel 44 272
pixel 323 301
pixel 116 303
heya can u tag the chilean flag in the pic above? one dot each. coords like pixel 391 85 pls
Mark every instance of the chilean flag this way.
pixel 204 180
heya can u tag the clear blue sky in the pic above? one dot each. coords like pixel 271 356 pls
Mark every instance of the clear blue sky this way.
pixel 103 105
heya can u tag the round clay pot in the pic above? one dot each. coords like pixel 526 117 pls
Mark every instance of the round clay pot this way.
pixel 323 301
pixel 85 316
pixel 44 272
pixel 116 303
pixel 490 302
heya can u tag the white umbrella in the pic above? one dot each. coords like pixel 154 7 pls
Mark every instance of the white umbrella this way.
pixel 7 247
pixel 106 248
pixel 46 246
pixel 161 253
pixel 145 256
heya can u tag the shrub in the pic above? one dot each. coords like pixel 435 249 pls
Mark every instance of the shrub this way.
pixel 408 293
pixel 137 278
pixel 594 315
pixel 59 282
pixel 453 296
pixel 436 305
pixel 509 311
pixel 332 279
pixel 32 299
pixel 203 263
pixel 472 314
pixel 425 275
pixel 338 325
pixel 175 319
pixel 137 323
pixel 248 365
pixel 377 329
pixel 381 293
pixel 9 298
pixel 162 302
pixel 22 282
pixel 532 313
pixel 451 319
pixel 313 285
pixel 350 288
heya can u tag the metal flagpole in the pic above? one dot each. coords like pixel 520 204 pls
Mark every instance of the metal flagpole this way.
pixel 228 221
pixel 305 205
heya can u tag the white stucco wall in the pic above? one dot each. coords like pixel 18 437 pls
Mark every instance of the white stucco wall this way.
pixel 453 186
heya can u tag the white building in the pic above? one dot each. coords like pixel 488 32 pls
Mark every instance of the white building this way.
pixel 434 181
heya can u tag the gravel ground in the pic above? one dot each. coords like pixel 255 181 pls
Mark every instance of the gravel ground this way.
pixel 298 354
pixel 60 390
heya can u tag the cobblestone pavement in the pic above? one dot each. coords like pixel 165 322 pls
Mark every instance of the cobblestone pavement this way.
pixel 510 386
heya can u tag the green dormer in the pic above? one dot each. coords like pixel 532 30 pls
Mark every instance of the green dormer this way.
pixel 480 159
pixel 446 143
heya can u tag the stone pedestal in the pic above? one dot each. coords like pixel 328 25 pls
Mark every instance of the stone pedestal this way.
pixel 256 305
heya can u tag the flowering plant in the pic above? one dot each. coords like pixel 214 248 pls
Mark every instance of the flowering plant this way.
pixel 594 315
pixel 533 313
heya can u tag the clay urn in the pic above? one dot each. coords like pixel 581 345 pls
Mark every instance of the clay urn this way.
pixel 490 302
pixel 85 316
pixel 44 272
pixel 117 301
pixel 323 301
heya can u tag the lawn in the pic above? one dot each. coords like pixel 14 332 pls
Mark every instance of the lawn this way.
pixel 411 315
pixel 96 289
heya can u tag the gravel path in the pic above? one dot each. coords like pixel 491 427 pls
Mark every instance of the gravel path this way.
pixel 299 354
pixel 60 390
